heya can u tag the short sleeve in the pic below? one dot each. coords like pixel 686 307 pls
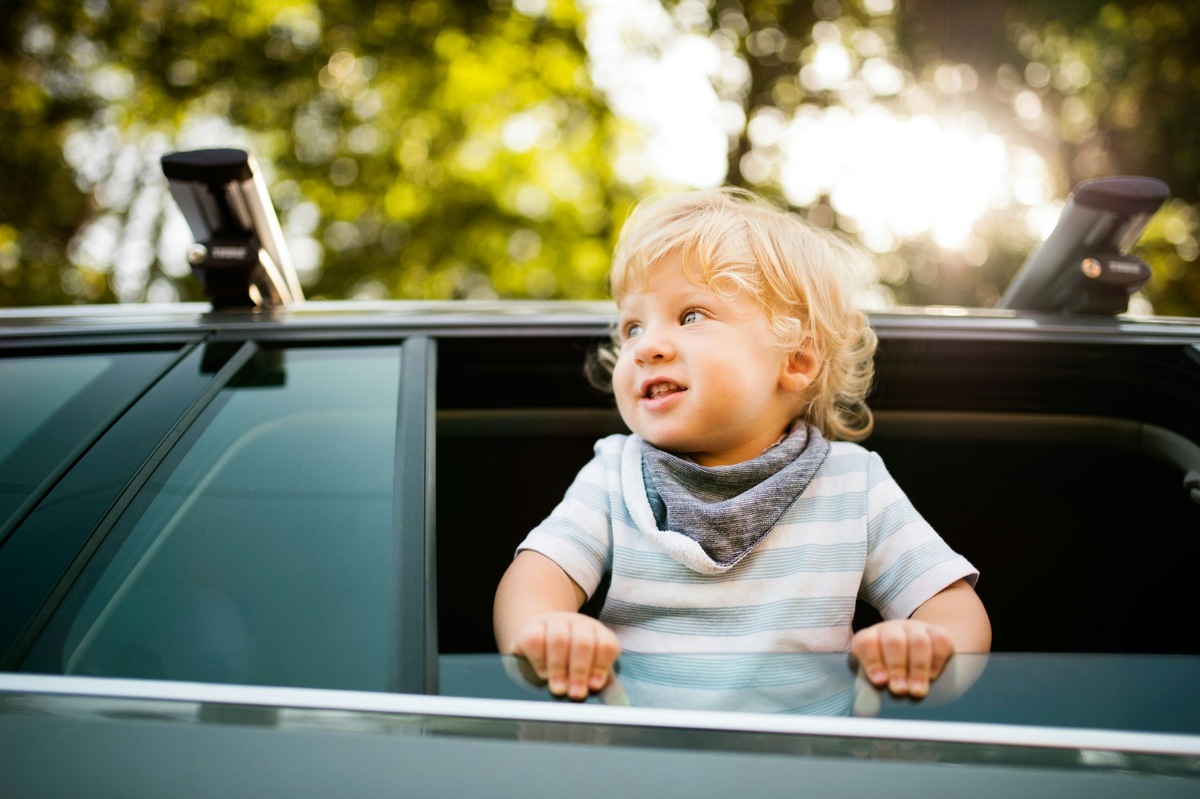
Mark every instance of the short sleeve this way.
pixel 577 535
pixel 907 561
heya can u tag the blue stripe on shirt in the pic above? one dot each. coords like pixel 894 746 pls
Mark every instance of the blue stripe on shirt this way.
pixel 784 614
pixel 764 564
pixel 884 589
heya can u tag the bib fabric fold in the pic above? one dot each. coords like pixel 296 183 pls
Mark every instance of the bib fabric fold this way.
pixel 728 510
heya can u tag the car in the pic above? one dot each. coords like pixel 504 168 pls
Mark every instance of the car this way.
pixel 249 547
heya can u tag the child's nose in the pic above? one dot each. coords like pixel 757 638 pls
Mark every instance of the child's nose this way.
pixel 654 345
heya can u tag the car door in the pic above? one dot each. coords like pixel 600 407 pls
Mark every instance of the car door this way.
pixel 251 510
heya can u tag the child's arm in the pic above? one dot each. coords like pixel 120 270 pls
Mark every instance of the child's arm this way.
pixel 537 616
pixel 906 654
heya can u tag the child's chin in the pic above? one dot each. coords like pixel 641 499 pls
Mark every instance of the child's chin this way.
pixel 673 444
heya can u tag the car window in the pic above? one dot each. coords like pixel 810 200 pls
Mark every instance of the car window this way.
pixel 1142 693
pixel 259 550
pixel 35 388
pixel 51 405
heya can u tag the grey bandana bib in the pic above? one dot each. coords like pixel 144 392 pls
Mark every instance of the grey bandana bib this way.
pixel 727 510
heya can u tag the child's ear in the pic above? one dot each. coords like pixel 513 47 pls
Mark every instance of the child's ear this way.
pixel 800 369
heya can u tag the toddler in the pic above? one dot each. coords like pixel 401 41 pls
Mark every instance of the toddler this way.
pixel 737 517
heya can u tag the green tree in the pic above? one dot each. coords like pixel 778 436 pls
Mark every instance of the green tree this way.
pixel 1120 83
pixel 421 148
pixel 417 149
pixel 1075 89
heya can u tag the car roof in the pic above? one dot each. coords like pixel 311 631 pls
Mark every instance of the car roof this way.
pixel 534 317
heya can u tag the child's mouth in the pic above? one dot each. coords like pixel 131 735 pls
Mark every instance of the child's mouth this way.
pixel 662 389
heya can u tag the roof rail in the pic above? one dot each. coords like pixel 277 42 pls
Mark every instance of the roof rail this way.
pixel 240 257
pixel 1083 266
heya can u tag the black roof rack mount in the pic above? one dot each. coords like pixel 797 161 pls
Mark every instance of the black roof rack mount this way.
pixel 1083 267
pixel 239 257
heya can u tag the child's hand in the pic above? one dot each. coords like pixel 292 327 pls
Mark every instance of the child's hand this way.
pixel 574 653
pixel 903 654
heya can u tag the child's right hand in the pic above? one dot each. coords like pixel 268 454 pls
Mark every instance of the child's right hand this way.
pixel 572 652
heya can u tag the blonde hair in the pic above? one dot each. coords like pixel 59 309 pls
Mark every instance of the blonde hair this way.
pixel 732 241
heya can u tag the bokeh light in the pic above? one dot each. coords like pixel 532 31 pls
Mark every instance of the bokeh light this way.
pixel 890 173
pixel 440 149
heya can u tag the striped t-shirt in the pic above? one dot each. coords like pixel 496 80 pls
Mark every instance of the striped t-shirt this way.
pixel 852 533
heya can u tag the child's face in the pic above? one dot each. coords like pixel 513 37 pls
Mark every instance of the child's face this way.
pixel 699 374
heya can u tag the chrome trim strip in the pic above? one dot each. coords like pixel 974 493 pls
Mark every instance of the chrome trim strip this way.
pixel 522 317
pixel 507 709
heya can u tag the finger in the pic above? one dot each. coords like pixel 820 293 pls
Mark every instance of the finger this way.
pixel 558 650
pixel 608 648
pixel 920 655
pixel 579 665
pixel 942 649
pixel 893 644
pixel 531 645
pixel 865 647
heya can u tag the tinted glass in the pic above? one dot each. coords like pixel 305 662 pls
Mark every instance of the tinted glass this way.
pixel 52 406
pixel 259 551
pixel 1133 693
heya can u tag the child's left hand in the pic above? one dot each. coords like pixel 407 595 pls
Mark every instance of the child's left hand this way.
pixel 903 654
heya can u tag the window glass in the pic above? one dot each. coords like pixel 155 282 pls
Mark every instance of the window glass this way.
pixel 35 388
pixel 51 405
pixel 1141 693
pixel 259 552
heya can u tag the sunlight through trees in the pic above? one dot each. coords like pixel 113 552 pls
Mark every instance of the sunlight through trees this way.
pixel 463 150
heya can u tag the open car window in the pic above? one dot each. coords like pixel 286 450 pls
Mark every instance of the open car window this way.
pixel 1026 689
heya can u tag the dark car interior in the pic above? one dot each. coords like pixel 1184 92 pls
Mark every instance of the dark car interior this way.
pixel 1060 469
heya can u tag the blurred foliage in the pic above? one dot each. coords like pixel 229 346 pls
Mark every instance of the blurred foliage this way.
pixel 422 149
pixel 1120 84
pixel 1077 89
pixel 464 149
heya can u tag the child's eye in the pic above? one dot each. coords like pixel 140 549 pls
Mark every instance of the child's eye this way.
pixel 630 330
pixel 690 317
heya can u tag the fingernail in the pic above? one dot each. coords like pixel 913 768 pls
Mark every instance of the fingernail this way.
pixel 898 685
pixel 878 676
pixel 558 686
pixel 919 688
